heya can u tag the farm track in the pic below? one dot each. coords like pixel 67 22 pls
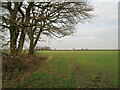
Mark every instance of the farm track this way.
pixel 49 58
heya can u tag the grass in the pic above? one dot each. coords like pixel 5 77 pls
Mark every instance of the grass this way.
pixel 74 69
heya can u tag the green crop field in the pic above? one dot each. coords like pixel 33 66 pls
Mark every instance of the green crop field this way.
pixel 75 69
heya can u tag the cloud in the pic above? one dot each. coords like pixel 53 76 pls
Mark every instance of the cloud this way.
pixel 88 38
pixel 101 33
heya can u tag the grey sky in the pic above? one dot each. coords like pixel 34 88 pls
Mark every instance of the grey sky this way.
pixel 101 32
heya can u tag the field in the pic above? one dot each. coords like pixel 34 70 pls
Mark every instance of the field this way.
pixel 74 69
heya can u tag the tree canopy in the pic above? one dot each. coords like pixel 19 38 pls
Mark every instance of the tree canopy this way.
pixel 54 19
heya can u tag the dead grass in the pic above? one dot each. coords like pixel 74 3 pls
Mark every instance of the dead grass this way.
pixel 49 59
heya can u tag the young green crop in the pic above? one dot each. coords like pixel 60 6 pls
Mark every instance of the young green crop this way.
pixel 75 69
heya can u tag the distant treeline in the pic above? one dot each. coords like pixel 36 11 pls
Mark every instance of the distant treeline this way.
pixel 83 50
pixel 46 48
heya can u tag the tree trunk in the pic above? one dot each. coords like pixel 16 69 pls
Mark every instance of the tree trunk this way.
pixel 14 31
pixel 21 42
pixel 33 43
pixel 31 47
pixel 13 40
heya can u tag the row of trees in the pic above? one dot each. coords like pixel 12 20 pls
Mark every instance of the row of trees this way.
pixel 42 48
pixel 33 19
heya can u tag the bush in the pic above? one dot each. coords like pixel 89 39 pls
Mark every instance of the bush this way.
pixel 15 66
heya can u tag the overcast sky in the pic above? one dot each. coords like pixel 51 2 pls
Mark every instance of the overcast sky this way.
pixel 101 32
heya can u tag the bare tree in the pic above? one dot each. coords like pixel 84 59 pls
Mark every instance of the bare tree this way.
pixel 9 21
pixel 56 19
pixel 16 20
pixel 37 18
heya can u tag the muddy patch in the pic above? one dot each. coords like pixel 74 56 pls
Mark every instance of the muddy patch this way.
pixel 80 77
pixel 100 81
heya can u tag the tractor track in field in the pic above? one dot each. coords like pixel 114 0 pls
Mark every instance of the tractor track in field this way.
pixel 100 81
pixel 84 81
